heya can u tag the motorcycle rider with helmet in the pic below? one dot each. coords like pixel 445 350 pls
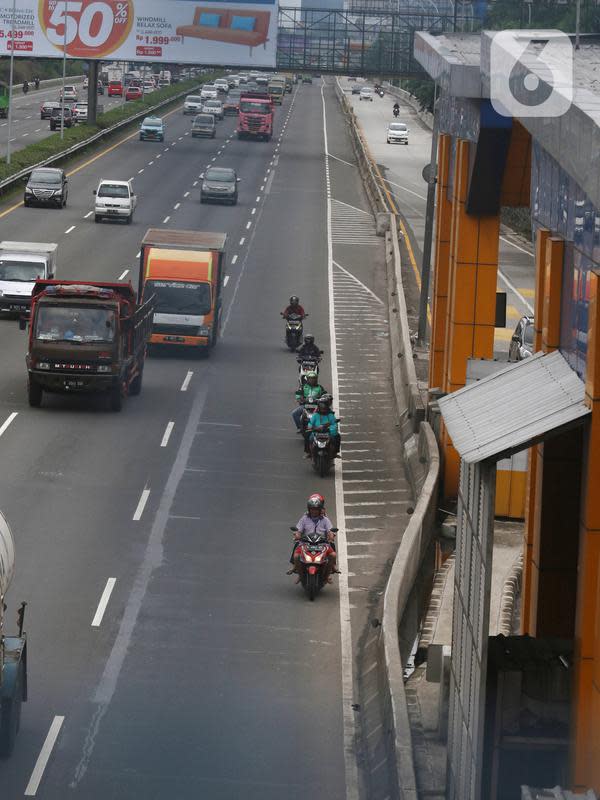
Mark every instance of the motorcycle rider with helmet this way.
pixel 315 520
pixel 396 109
pixel 323 420
pixel 293 308
pixel 309 349
pixel 308 393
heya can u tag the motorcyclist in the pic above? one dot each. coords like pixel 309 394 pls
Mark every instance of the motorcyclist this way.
pixel 36 82
pixel 315 520
pixel 293 308
pixel 308 393
pixel 323 420
pixel 25 87
pixel 309 349
pixel 396 109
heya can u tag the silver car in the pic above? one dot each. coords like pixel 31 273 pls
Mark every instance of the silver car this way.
pixel 366 93
pixel 521 343
pixel 214 107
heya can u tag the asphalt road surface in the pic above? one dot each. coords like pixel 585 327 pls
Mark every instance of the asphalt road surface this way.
pixel 402 166
pixel 208 673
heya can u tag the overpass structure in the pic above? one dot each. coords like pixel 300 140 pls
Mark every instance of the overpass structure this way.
pixel 369 38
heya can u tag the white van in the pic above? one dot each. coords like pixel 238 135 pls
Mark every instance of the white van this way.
pixel 114 200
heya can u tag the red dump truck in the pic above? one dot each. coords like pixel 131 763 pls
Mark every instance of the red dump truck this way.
pixel 86 338
pixel 255 118
pixel 184 271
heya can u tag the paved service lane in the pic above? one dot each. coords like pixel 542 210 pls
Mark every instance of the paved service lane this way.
pixel 401 167
pixel 206 673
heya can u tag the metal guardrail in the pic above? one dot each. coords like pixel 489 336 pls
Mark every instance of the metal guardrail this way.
pixel 18 176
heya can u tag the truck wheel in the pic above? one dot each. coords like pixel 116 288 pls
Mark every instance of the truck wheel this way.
pixel 136 384
pixel 116 397
pixel 34 393
pixel 10 719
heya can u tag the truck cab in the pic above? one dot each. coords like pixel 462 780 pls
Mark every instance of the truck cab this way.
pixel 255 119
pixel 21 264
pixel 184 271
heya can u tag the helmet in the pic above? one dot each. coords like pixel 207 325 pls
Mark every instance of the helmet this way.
pixel 325 399
pixel 315 501
pixel 309 339
pixel 311 374
pixel 294 300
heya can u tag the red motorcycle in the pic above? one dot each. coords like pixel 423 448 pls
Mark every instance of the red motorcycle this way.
pixel 315 561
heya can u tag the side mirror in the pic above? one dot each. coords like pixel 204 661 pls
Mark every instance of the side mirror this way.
pixel 22 324
pixel 515 339
pixel 238 180
pixel 334 530
pixel 321 352
pixel 50 276
pixel 293 528
pixel 201 176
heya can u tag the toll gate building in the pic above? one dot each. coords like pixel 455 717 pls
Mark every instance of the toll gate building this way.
pixel 525 710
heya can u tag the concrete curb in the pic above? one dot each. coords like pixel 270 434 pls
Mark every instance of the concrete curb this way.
pixel 510 591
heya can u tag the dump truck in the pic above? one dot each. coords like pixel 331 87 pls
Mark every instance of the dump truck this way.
pixel 184 270
pixel 86 338
pixel 276 88
pixel 13 650
pixel 255 118
pixel 21 264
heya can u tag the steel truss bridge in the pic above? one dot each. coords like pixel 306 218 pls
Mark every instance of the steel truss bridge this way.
pixel 374 37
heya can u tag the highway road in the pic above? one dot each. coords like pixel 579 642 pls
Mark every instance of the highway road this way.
pixel 402 166
pixel 27 127
pixel 207 673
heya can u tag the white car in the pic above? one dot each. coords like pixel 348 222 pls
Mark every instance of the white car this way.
pixel 192 104
pixel 209 92
pixel 214 107
pixel 366 93
pixel 70 93
pixel 114 200
pixel 397 133
pixel 222 84
pixel 148 87
pixel 80 112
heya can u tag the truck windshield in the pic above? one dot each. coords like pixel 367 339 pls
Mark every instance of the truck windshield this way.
pixel 82 324
pixel 247 107
pixel 20 270
pixel 178 297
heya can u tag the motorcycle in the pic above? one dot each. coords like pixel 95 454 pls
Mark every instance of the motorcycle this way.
pixel 308 409
pixel 25 87
pixel 294 329
pixel 322 452
pixel 396 111
pixel 380 92
pixel 306 365
pixel 36 83
pixel 315 565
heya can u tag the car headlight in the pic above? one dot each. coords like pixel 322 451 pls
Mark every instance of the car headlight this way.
pixel 43 365
pixel 28 190
pixel 104 368
pixel 205 187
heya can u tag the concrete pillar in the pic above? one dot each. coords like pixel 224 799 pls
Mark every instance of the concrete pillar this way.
pixel 586 718
pixel 441 264
pixel 471 304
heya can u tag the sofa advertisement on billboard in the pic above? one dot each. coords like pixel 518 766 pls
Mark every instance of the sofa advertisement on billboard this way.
pixel 231 32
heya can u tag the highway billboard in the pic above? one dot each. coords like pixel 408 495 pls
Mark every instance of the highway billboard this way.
pixel 233 32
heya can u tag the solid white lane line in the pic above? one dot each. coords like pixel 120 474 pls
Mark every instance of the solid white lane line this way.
pixel 166 219
pixel 176 206
pixel 516 246
pixel 44 756
pixel 167 434
pixel 141 505
pixel 186 194
pixel 525 302
pixel 72 228
pixel 186 381
pixel 248 224
pixel 349 723
pixel 226 279
pixel 110 585
pixel 242 240
pixel 7 421
pixel 140 171
pixel 89 214
pixel 123 275
pixel 342 160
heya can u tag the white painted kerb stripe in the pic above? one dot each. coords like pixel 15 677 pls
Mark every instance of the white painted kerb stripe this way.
pixel 44 756
pixel 141 505
pixel 110 585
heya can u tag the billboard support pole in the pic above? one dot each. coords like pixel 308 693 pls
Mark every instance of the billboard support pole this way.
pixel 92 97
pixel 64 75
pixel 10 81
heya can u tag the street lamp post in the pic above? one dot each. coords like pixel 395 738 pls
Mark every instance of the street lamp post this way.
pixel 64 73
pixel 10 81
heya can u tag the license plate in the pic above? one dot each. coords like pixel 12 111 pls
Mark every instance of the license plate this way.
pixel 174 339
pixel 17 307
pixel 73 384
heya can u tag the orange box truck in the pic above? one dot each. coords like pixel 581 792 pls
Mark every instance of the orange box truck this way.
pixel 184 270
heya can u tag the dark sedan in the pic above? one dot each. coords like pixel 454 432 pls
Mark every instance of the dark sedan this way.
pixel 220 185
pixel 47 108
pixel 46 186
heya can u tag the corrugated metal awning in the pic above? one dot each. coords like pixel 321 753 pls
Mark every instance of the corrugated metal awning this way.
pixel 504 412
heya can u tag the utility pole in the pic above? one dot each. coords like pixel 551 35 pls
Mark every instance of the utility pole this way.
pixel 64 74
pixel 428 237
pixel 92 91
pixel 10 81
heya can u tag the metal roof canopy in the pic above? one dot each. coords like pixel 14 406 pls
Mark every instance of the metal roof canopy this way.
pixel 509 410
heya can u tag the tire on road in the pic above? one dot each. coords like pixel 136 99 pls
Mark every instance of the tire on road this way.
pixel 116 397
pixel 34 393
pixel 10 720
